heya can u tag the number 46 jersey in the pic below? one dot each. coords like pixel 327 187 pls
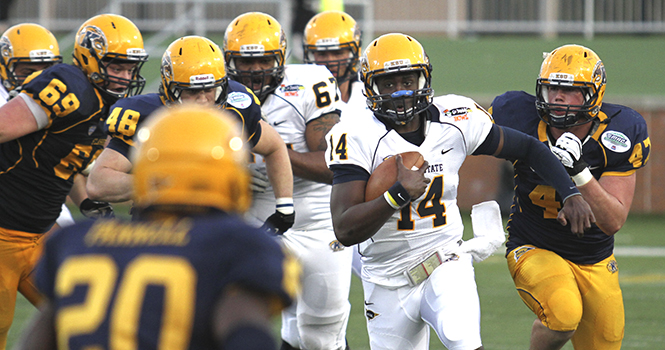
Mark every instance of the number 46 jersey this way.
pixel 149 285
pixel 456 126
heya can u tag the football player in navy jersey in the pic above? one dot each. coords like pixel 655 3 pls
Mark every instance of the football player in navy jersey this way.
pixel 570 282
pixel 192 70
pixel 188 273
pixel 410 237
pixel 49 133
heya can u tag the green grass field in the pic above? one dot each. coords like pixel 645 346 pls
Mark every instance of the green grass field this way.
pixel 506 321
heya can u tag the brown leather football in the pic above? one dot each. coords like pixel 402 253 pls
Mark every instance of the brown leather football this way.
pixel 385 175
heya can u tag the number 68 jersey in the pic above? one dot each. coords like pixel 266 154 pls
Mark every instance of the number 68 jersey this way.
pixel 456 127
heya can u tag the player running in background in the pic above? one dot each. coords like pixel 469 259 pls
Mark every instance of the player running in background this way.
pixel 49 133
pixel 192 70
pixel 189 273
pixel 571 282
pixel 411 237
pixel 300 101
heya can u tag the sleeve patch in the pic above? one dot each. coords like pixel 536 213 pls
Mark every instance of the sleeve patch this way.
pixel 615 141
pixel 239 100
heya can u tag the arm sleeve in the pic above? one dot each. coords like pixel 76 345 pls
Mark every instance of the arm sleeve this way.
pixel 507 143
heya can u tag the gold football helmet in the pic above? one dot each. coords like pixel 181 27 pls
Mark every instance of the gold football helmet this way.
pixel 333 30
pixel 390 54
pixel 191 156
pixel 25 43
pixel 106 39
pixel 256 34
pixel 193 63
pixel 571 66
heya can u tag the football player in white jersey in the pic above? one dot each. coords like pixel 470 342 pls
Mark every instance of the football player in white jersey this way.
pixel 332 39
pixel 301 102
pixel 417 272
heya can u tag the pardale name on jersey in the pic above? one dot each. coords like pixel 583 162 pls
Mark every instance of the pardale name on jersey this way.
pixel 118 234
pixel 434 168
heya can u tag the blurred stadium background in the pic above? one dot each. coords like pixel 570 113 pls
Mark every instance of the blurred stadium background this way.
pixel 479 48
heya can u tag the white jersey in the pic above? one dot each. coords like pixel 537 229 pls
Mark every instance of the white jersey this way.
pixel 458 126
pixel 307 92
pixel 4 95
pixel 357 103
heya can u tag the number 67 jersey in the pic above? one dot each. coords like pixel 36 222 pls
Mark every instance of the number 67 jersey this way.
pixel 154 284
pixel 455 127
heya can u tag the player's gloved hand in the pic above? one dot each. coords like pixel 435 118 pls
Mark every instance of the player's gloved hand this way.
pixel 568 149
pixel 259 181
pixel 96 209
pixel 282 219
pixel 488 233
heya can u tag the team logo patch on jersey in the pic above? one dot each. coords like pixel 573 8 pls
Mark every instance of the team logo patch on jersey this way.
pixel 612 266
pixel 335 246
pixel 370 314
pixel 291 90
pixel 239 100
pixel 517 253
pixel 460 113
pixel 615 141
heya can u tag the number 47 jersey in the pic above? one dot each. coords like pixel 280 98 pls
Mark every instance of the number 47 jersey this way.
pixel 456 126
pixel 147 285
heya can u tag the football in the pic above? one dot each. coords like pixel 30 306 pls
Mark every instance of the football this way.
pixel 385 175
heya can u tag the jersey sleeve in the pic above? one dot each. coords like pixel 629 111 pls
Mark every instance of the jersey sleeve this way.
pixel 473 121
pixel 242 103
pixel 64 94
pixel 347 147
pixel 321 93
pixel 627 143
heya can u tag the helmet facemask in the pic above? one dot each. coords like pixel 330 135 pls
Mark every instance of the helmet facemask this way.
pixel 388 105
pixel 563 116
pixel 262 82
pixel 335 66
pixel 102 80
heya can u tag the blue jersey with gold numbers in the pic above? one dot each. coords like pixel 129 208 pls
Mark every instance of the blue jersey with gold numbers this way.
pixel 136 284
pixel 37 170
pixel 618 147
pixel 127 115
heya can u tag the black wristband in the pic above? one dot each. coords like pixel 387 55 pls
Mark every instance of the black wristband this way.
pixel 398 195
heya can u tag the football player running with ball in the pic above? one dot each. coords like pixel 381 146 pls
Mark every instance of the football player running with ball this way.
pixel 411 237
pixel 192 71
pixel 300 102
pixel 50 133
pixel 570 282
pixel 189 273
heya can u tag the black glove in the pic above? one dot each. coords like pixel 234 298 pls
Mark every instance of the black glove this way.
pixel 96 209
pixel 279 223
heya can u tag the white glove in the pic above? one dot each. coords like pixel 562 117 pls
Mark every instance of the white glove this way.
pixel 568 149
pixel 259 181
pixel 488 233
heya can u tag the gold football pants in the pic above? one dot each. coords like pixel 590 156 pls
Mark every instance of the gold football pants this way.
pixel 19 252
pixel 567 296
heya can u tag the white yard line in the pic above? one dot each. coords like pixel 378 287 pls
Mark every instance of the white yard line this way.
pixel 639 251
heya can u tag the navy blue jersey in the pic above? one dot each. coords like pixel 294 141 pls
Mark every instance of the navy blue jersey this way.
pixel 136 283
pixel 618 147
pixel 37 170
pixel 127 115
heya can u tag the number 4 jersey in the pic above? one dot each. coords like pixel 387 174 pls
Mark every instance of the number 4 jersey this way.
pixel 359 143
pixel 149 285
pixel 37 170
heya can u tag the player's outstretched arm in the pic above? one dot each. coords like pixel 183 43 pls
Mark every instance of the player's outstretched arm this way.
pixel 272 148
pixel 355 220
pixel 312 165
pixel 109 179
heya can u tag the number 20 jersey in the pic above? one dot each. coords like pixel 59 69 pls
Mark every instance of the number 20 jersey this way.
pixel 619 146
pixel 37 170
pixel 148 285
pixel 457 128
